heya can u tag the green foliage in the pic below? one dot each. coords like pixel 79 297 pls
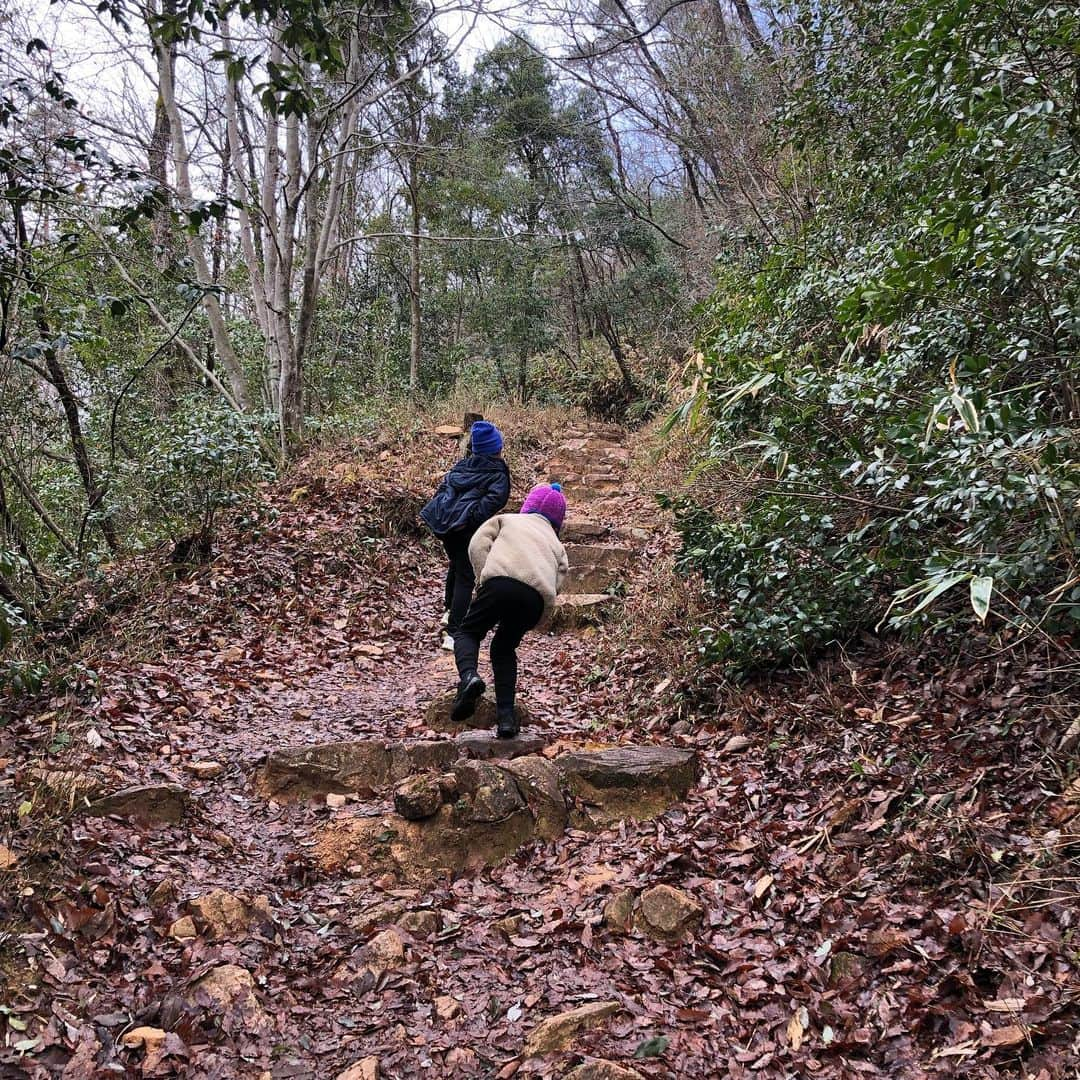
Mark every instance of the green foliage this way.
pixel 205 459
pixel 892 385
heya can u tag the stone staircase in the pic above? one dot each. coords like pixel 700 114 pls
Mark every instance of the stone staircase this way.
pixel 591 464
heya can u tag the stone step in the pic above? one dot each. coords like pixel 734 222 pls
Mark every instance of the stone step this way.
pixel 482 812
pixel 575 610
pixel 365 766
pixel 626 781
pixel 437 715
pixel 584 531
pixel 595 568
pixel 487 746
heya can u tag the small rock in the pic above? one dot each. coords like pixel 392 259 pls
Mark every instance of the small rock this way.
pixel 383 914
pixel 669 912
pixel 619 911
pixel 510 926
pixel 230 915
pixel 598 1069
pixel 420 924
pixel 558 1032
pixel 8 858
pixel 735 744
pixel 335 801
pixel 149 1038
pixel 163 894
pixel 418 797
pixel 846 968
pixel 447 1008
pixel 231 989
pixel 680 727
pixel 205 770
pixel 151 803
pixel 365 1069
pixel 183 929
pixel 448 787
pixel 384 951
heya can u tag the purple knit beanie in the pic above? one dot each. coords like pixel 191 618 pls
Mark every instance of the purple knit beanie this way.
pixel 546 499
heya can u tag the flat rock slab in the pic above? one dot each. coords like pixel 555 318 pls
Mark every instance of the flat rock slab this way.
pixel 156 804
pixel 486 746
pixel 337 768
pixel 437 715
pixel 595 568
pixel 575 610
pixel 637 782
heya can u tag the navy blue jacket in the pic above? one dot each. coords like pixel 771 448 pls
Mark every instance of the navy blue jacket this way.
pixel 475 489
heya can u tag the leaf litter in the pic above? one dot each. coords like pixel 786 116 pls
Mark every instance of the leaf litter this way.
pixel 887 849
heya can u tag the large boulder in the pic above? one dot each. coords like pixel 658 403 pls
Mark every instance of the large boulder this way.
pixel 486 793
pixel 229 990
pixel 155 804
pixel 637 782
pixel 421 850
pixel 437 714
pixel 362 765
pixel 229 916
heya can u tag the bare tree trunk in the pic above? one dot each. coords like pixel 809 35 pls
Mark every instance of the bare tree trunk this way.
pixel 750 27
pixel 196 248
pixel 157 162
pixel 414 280
pixel 95 492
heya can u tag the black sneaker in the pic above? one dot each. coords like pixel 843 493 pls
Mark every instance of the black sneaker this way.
pixel 506 724
pixel 469 691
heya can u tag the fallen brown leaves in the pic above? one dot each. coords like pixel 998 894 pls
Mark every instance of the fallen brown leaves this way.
pixel 885 852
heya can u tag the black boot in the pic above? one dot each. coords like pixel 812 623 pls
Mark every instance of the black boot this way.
pixel 506 724
pixel 469 691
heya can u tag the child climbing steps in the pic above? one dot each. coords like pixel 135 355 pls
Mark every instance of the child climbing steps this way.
pixel 474 489
pixel 520 565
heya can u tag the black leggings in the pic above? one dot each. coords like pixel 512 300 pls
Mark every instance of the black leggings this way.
pixel 460 578
pixel 513 609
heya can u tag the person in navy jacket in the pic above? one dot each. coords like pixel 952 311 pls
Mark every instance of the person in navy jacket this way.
pixel 475 489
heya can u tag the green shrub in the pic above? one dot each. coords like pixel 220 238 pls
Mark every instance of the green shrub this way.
pixel 891 386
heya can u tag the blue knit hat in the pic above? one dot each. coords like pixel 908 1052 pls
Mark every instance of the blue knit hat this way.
pixel 485 438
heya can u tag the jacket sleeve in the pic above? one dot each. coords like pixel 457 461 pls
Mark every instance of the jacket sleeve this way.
pixel 480 544
pixel 494 498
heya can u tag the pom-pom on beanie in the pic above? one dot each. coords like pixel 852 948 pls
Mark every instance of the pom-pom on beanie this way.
pixel 485 438
pixel 547 499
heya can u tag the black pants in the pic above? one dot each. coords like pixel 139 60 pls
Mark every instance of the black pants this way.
pixel 513 609
pixel 460 578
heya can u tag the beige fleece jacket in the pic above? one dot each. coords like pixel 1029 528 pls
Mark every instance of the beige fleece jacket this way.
pixel 524 547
